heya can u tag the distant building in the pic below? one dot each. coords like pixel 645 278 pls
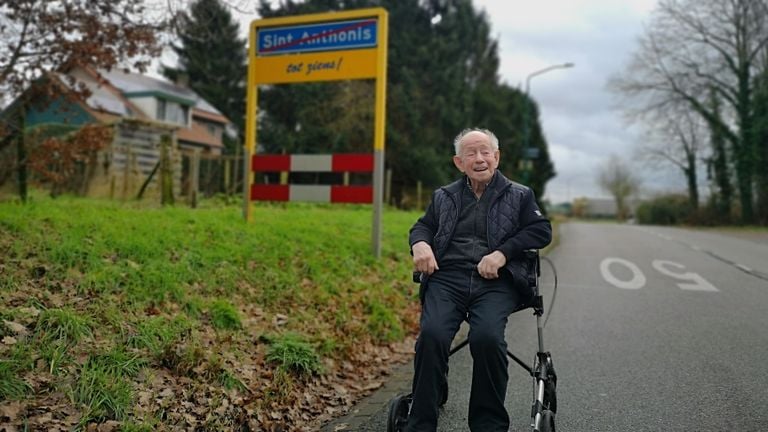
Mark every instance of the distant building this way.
pixel 141 110
pixel 606 207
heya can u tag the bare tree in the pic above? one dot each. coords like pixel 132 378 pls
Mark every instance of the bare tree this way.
pixel 677 136
pixel 42 36
pixel 616 178
pixel 37 36
pixel 692 47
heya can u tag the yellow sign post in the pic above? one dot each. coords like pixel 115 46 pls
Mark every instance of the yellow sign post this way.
pixel 331 46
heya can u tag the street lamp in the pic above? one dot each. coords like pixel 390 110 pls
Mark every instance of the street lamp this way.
pixel 530 153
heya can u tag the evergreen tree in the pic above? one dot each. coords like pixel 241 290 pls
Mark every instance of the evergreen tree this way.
pixel 442 77
pixel 213 59
pixel 723 197
pixel 760 139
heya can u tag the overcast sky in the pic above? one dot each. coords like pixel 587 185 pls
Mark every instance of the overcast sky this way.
pixel 580 117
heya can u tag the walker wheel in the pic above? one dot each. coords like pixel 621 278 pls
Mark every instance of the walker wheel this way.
pixel 550 387
pixel 398 413
pixel 547 421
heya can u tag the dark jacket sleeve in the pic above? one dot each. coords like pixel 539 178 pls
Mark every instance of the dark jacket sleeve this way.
pixel 535 231
pixel 425 227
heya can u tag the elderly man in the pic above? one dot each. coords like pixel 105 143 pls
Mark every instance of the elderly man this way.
pixel 469 248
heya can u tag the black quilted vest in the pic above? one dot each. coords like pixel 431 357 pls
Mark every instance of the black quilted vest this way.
pixel 502 217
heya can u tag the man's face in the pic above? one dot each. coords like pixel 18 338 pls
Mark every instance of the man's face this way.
pixel 477 159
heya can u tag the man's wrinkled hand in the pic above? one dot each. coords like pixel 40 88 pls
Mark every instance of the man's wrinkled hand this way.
pixel 423 258
pixel 490 264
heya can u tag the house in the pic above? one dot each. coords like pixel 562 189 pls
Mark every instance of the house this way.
pixel 601 207
pixel 200 125
pixel 141 111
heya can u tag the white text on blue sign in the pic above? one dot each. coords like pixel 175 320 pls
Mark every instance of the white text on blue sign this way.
pixel 340 35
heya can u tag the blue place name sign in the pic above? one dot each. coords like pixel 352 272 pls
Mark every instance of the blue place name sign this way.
pixel 333 36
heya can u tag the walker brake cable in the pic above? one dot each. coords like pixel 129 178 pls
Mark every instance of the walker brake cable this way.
pixel 554 291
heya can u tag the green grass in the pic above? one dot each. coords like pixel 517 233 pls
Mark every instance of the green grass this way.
pixel 746 229
pixel 117 362
pixel 115 294
pixel 56 333
pixel 293 354
pixel 103 388
pixel 229 381
pixel 12 386
pixel 158 334
pixel 56 355
pixel 132 296
pixel 101 394
pixel 383 322
pixel 18 360
pixel 224 315
pixel 63 325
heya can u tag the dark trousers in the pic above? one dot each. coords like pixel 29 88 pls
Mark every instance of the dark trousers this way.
pixel 449 296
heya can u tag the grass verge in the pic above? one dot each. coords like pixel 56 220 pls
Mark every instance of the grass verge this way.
pixel 153 318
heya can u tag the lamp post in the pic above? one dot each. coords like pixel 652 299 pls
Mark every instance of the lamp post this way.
pixel 528 153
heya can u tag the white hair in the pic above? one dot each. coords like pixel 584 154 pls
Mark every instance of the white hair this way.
pixel 491 138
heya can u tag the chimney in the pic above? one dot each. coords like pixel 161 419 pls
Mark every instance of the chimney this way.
pixel 182 79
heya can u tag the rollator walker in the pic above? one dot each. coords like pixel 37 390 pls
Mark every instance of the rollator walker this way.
pixel 542 371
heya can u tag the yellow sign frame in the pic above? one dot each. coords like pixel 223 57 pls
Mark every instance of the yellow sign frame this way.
pixel 331 65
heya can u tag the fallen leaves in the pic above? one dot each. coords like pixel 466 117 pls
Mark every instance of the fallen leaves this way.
pixel 20 331
pixel 194 398
pixel 280 320
pixel 209 379
pixel 10 410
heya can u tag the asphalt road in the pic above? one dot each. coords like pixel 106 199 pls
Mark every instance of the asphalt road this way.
pixel 653 329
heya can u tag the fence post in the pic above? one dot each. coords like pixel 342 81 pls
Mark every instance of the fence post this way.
pixel 418 195
pixel 21 156
pixel 194 178
pixel 284 174
pixel 388 186
pixel 166 171
pixel 235 169
pixel 247 185
pixel 127 171
pixel 226 160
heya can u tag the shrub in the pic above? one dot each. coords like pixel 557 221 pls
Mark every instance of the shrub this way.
pixel 712 214
pixel 669 209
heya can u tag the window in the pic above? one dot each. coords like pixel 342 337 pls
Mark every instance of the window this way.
pixel 173 112
pixel 160 109
pixel 184 115
pixel 213 130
